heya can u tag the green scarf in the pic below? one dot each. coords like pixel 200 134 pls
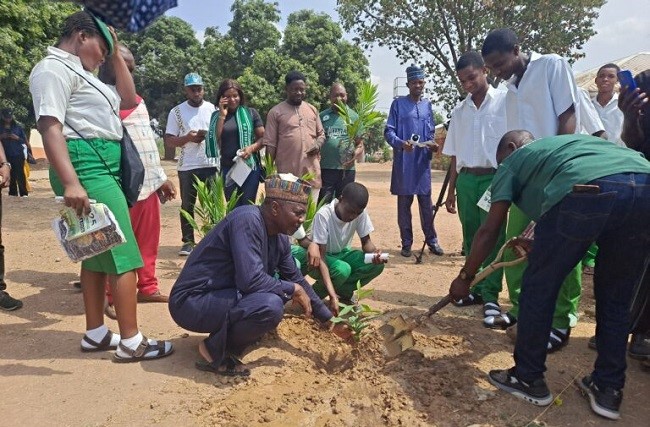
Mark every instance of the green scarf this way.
pixel 244 120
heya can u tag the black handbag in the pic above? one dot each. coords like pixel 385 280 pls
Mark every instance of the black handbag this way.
pixel 131 169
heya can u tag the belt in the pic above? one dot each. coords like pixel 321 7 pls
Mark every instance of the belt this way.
pixel 478 171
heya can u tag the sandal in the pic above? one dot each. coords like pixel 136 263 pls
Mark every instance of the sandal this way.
pixel 103 345
pixel 557 339
pixel 501 321
pixel 228 367
pixel 471 299
pixel 144 351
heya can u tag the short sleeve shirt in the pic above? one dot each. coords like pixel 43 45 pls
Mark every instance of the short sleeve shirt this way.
pixel 62 89
pixel 181 120
pixel 537 176
pixel 546 90
pixel 328 229
pixel 337 142
pixel 612 118
pixel 474 133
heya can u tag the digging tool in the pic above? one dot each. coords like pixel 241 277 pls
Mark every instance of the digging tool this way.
pixel 436 208
pixel 397 332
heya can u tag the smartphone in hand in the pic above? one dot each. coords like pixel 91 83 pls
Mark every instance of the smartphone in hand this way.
pixel 626 79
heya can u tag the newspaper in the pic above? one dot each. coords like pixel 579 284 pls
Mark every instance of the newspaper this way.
pixel 89 235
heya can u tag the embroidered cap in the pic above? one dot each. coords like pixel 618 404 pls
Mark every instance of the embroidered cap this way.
pixel 286 186
pixel 414 72
pixel 193 79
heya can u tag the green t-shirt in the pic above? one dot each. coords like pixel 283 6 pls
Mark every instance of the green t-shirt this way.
pixel 337 144
pixel 537 176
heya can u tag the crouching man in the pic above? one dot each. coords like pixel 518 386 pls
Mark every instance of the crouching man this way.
pixel 579 191
pixel 236 281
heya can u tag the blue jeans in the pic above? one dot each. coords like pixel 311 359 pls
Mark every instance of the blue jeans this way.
pixel 618 220
pixel 248 191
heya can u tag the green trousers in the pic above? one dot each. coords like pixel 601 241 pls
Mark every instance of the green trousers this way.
pixel 469 189
pixel 569 296
pixel 346 268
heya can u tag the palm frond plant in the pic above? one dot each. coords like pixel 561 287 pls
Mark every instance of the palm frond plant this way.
pixel 367 117
pixel 211 206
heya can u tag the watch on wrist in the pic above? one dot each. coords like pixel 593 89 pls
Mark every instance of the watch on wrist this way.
pixel 464 276
pixel 6 164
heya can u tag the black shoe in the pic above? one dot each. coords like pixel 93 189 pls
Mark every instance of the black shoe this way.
pixel 8 303
pixel 592 343
pixel 436 249
pixel 406 252
pixel 604 402
pixel 639 347
pixel 535 392
pixel 186 249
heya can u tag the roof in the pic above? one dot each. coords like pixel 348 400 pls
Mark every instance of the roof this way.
pixel 635 63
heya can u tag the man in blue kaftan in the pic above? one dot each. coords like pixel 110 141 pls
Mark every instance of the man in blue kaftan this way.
pixel 410 122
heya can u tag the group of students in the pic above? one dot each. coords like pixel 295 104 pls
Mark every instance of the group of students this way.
pixel 80 118
pixel 523 148
pixel 521 144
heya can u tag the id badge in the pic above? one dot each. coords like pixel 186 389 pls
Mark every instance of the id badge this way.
pixel 485 201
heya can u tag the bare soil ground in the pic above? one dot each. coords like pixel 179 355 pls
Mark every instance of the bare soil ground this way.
pixel 301 375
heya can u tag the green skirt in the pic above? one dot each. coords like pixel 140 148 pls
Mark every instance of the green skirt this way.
pixel 101 185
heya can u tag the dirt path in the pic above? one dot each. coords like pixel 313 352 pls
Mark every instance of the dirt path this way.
pixel 301 375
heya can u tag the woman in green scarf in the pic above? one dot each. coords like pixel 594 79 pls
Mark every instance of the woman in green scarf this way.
pixel 236 130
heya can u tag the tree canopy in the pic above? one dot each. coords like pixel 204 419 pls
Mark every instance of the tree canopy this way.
pixel 435 33
pixel 26 29
pixel 252 49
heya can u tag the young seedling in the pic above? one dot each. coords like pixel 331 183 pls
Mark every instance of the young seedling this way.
pixel 356 316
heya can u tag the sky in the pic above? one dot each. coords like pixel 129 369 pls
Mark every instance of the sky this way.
pixel 622 30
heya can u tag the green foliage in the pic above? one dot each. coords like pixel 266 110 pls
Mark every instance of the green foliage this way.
pixel 356 316
pixel 211 205
pixel 164 53
pixel 27 27
pixel 437 32
pixel 367 117
pixel 312 208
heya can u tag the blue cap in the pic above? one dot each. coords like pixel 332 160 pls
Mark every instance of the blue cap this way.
pixel 193 79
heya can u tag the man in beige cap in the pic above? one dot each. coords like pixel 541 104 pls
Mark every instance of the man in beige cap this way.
pixel 236 281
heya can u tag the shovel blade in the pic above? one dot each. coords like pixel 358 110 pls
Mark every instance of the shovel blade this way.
pixel 395 347
pixel 394 328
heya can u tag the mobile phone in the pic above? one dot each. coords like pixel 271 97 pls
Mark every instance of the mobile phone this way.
pixel 201 132
pixel 626 80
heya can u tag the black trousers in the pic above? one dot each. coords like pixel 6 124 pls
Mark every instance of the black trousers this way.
pixel 334 180
pixel 18 182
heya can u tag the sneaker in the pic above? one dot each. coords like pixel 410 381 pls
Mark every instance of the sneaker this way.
pixel 639 347
pixel 535 392
pixel 8 303
pixel 604 402
pixel 186 249
pixel 406 252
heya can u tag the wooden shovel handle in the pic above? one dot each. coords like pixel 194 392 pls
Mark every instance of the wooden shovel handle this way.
pixel 440 304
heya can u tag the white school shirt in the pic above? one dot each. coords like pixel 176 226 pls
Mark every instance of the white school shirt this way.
pixel 612 118
pixel 590 122
pixel 328 229
pixel 547 89
pixel 59 92
pixel 191 118
pixel 474 133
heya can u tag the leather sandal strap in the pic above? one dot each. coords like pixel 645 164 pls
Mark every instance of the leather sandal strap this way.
pixel 105 342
